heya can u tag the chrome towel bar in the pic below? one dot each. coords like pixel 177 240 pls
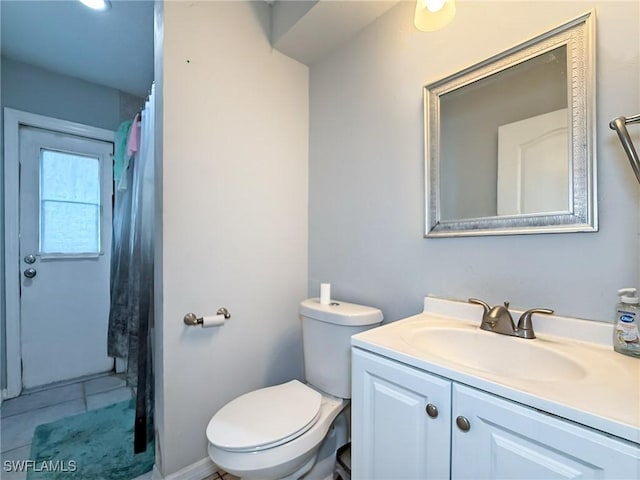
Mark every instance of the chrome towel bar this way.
pixel 619 124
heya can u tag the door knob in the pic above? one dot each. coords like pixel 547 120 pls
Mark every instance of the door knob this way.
pixel 463 423
pixel 31 258
pixel 30 272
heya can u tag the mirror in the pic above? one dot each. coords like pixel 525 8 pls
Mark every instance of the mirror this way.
pixel 509 141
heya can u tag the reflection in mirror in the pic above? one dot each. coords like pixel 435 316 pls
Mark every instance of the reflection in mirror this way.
pixel 509 140
pixel 533 165
pixel 476 113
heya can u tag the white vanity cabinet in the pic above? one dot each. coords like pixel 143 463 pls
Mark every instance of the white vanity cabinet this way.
pixel 508 440
pixel 394 436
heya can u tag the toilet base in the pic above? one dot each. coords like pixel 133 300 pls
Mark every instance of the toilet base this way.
pixel 302 471
pixel 325 462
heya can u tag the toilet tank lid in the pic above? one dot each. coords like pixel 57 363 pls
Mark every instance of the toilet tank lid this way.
pixel 340 313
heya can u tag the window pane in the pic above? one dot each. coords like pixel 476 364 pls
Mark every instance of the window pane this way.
pixel 71 177
pixel 70 227
pixel 69 203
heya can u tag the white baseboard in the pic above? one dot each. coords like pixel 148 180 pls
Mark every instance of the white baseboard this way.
pixel 196 471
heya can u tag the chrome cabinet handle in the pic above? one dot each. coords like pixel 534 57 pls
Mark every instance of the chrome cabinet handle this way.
pixel 432 410
pixel 463 423
pixel 30 272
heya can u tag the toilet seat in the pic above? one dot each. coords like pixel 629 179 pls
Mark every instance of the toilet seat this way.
pixel 265 418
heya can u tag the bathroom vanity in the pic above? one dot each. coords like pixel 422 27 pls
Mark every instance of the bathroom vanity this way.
pixel 435 397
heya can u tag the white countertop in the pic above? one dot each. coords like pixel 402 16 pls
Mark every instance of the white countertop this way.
pixel 607 397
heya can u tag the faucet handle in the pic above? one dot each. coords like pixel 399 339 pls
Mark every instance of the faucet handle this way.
pixel 484 304
pixel 525 325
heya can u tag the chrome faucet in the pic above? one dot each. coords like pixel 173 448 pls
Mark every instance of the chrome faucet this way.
pixel 498 319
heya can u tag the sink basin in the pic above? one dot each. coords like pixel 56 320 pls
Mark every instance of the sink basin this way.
pixel 496 354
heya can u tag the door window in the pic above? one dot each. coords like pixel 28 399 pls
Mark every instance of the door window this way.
pixel 69 203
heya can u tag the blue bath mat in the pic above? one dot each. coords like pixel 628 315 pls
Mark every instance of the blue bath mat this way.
pixel 96 445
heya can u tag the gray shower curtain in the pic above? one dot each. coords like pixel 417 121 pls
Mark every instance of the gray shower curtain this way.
pixel 131 313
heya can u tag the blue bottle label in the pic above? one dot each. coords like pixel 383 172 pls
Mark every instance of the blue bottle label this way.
pixel 625 317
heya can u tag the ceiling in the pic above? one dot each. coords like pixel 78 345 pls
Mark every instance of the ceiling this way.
pixel 309 29
pixel 115 48
pixel 112 48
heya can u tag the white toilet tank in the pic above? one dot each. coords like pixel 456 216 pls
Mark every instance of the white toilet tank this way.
pixel 326 334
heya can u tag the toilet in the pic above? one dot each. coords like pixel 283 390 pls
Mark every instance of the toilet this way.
pixel 292 430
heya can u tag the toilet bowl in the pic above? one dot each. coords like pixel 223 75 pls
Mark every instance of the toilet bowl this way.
pixel 285 431
pixel 281 439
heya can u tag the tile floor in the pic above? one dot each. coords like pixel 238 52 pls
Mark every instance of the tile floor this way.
pixel 222 476
pixel 20 416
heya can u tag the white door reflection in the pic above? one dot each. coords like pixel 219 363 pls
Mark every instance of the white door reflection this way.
pixel 533 171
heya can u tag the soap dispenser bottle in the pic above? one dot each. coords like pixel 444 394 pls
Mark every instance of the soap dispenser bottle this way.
pixel 626 338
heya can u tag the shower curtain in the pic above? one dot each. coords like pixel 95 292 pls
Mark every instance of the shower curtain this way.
pixel 131 313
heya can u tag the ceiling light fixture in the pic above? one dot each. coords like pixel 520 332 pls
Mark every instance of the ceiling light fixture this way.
pixel 100 5
pixel 433 14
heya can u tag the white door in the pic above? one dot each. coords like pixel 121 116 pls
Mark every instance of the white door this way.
pixel 65 243
pixel 506 440
pixel 533 171
pixel 400 421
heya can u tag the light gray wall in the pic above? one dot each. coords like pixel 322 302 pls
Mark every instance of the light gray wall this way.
pixel 35 90
pixel 234 219
pixel 366 192
pixel 32 89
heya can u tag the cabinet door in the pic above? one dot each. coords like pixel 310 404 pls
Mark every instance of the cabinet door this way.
pixel 507 440
pixel 392 435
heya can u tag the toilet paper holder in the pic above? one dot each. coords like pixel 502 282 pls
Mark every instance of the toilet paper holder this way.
pixel 192 320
